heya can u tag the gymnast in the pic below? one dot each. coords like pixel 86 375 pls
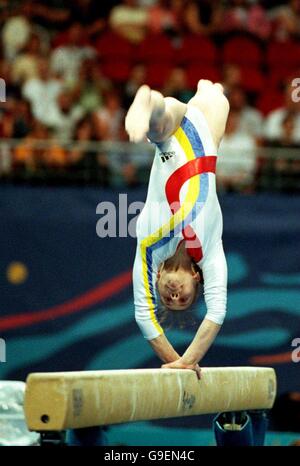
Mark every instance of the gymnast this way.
pixel 180 245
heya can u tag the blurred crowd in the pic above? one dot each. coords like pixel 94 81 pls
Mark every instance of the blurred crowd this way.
pixel 72 67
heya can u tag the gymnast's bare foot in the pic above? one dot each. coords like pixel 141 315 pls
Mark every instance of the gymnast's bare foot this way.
pixel 137 121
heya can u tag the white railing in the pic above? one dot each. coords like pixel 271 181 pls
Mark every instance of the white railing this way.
pixel 124 162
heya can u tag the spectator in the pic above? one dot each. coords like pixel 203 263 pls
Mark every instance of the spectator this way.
pixel 50 97
pixel 12 90
pixel 24 120
pixel 88 11
pixel 129 20
pixel 66 60
pixel 15 33
pixel 250 119
pixel 55 156
pixel 211 14
pixel 191 19
pixel 85 162
pixel 7 9
pixel 288 129
pixel 129 164
pixel 246 16
pixel 274 128
pixel 110 126
pixel 5 159
pixel 146 3
pixel 231 77
pixel 258 22
pixel 26 64
pixel 42 93
pixel 83 133
pixel 285 20
pixel 161 18
pixel 50 14
pixel 92 14
pixel 7 119
pixel 91 86
pixel 136 79
pixel 176 86
pixel 283 171
pixel 130 175
pixel 68 113
pixel 109 119
pixel 28 154
pixel 237 157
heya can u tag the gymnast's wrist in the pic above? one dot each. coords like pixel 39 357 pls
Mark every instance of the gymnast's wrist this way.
pixel 190 359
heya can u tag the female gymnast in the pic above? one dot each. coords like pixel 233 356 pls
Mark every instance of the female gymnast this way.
pixel 179 231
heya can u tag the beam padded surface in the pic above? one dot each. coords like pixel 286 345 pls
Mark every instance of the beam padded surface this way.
pixel 62 400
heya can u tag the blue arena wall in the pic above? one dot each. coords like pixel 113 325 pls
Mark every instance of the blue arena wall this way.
pixel 66 295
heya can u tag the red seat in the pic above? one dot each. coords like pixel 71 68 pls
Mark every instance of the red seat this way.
pixel 252 79
pixel 196 49
pixel 269 100
pixel 111 46
pixel 283 54
pixel 242 51
pixel 117 71
pixel 157 74
pixel 278 76
pixel 195 72
pixel 60 39
pixel 116 56
pixel 156 48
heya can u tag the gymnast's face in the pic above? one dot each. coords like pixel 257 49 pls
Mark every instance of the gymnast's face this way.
pixel 177 287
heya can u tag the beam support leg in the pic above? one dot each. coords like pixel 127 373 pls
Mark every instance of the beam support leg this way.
pixel 87 437
pixel 245 428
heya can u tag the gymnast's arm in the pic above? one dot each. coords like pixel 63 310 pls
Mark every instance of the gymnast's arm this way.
pixel 163 348
pixel 144 302
pixel 153 116
pixel 215 292
pixel 214 271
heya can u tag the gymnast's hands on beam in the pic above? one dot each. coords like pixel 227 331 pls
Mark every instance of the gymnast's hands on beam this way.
pixel 180 364
pixel 202 341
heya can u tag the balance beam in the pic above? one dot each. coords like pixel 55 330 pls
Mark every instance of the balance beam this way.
pixel 68 400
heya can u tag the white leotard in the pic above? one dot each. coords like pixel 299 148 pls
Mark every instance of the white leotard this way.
pixel 159 230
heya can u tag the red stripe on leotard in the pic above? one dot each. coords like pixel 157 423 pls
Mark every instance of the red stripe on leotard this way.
pixel 173 186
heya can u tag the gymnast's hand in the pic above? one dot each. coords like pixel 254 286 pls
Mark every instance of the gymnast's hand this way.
pixel 180 364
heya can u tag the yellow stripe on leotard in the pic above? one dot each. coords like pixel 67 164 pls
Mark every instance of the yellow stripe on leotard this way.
pixel 167 228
